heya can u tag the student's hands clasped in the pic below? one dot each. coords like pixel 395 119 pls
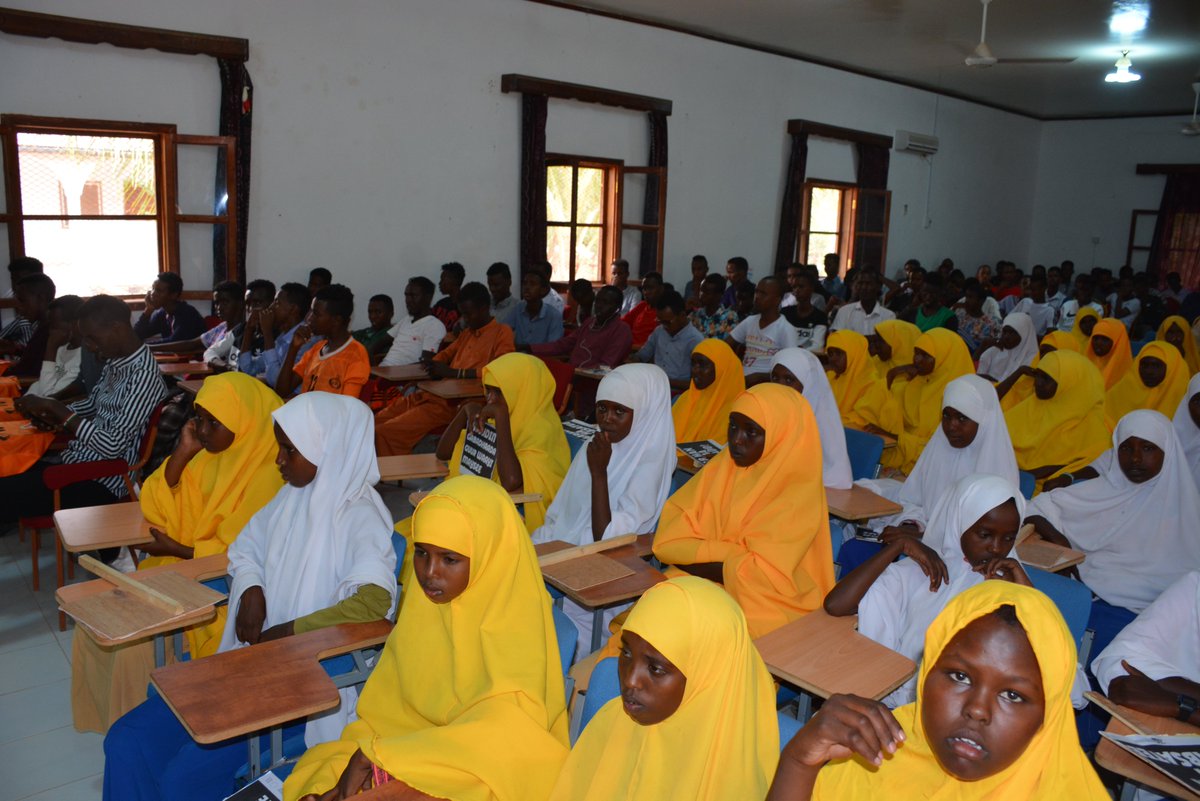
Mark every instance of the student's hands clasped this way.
pixel 1005 569
pixel 846 725
pixel 477 415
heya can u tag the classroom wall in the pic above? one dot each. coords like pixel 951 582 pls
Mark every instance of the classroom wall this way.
pixel 384 147
pixel 1088 187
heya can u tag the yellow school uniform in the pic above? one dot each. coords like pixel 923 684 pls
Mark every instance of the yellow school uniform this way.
pixel 1191 354
pixel 922 395
pixel 902 337
pixel 701 414
pixel 862 395
pixel 1116 362
pixel 1130 393
pixel 1077 331
pixel 1055 340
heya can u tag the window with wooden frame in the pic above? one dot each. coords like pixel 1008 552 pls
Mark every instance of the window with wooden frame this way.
pixel 581 211
pixel 1141 238
pixel 844 219
pixel 107 205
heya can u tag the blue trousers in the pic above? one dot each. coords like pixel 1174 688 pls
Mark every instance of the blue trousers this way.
pixel 1106 621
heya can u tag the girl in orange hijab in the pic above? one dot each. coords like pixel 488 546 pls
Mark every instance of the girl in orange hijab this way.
pixel 702 411
pixel 1108 349
pixel 1176 331
pixel 1158 381
pixel 755 518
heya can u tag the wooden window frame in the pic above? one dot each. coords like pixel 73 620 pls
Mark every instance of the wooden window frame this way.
pixel 848 233
pixel 1131 245
pixel 610 223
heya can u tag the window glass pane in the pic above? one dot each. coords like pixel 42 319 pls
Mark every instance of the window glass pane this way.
pixel 588 246
pixel 824 210
pixel 558 193
pixel 196 180
pixel 89 257
pixel 631 251
pixel 818 246
pixel 558 251
pixel 66 174
pixel 590 197
pixel 196 257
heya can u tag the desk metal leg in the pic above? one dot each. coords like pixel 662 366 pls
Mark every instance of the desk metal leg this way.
pixel 177 642
pixel 255 756
pixel 160 650
pixel 597 626
pixel 1128 790
pixel 277 757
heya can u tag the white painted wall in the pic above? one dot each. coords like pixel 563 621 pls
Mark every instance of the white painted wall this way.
pixel 383 146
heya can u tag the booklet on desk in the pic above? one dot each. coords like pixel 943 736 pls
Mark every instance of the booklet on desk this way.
pixel 580 430
pixel 1176 755
pixel 267 787
pixel 700 452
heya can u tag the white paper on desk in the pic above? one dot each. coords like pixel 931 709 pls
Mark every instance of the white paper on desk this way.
pixel 1176 755
pixel 267 787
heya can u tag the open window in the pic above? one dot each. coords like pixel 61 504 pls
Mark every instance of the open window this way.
pixel 844 219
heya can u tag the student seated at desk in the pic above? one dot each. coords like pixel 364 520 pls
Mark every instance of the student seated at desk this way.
pixel 276 325
pixel 992 719
pixel 319 554
pixel 1187 426
pixel 1157 381
pixel 642 319
pixel 1175 331
pixel 401 425
pixel 1016 347
pixel 1135 518
pixel 166 316
pixel 34 294
pixel 971 438
pixel 223 353
pixel 603 340
pixel 799 369
pixel 755 518
pixel 533 320
pixel 970 538
pixel 339 364
pixel 1060 428
pixel 702 411
pixel 417 335
pixel 1108 349
pixel 760 336
pixel 670 345
pixel 696 716
pixel 1014 389
pixel 939 357
pixel 1085 323
pixel 1153 665
pixel 220 474
pixel 376 337
pixel 15 335
pixel 64 347
pixel 862 395
pixel 228 305
pixel 532 454
pixel 618 483
pixel 467 700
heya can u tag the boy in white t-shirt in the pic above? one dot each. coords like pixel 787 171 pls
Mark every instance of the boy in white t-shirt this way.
pixel 1083 297
pixel 60 365
pixel 418 333
pixel 760 336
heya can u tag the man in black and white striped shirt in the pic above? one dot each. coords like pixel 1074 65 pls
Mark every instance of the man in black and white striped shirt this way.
pixel 107 424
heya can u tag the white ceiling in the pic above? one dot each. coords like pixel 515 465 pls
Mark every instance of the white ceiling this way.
pixel 923 43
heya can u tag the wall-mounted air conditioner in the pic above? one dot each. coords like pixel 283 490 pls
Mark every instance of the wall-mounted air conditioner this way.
pixel 909 142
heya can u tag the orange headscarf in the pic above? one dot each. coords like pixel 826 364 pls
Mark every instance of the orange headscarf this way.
pixel 701 414
pixel 1130 393
pixel 1191 354
pixel 1113 366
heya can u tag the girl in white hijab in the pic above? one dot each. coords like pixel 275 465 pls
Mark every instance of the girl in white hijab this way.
pixel 1018 347
pixel 970 538
pixel 800 370
pixel 1187 426
pixel 323 539
pixel 1136 522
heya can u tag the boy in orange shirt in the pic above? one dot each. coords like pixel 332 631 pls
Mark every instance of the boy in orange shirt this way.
pixel 342 366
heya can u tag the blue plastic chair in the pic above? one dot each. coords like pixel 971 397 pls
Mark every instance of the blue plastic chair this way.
pixel 574 443
pixel 568 637
pixel 1028 483
pixel 1073 599
pixel 864 451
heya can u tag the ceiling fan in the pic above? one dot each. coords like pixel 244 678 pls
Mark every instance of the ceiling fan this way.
pixel 1193 128
pixel 982 55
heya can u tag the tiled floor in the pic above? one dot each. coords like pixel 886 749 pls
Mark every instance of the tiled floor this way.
pixel 42 757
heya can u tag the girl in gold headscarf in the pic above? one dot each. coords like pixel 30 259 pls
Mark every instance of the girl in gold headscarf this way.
pixel 862 395
pixel 702 411
pixel 532 454
pixel 467 700
pixel 1108 349
pixel 220 473
pixel 992 720
pixel 1176 331
pixel 696 717
pixel 755 517
pixel 892 345
pixel 1158 381
pixel 1016 388
pixel 1084 325
pixel 939 357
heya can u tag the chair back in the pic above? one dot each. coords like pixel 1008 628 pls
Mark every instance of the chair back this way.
pixel 864 451
pixel 563 374
pixel 1028 483
pixel 568 637
pixel 1073 599
pixel 149 437
pixel 399 545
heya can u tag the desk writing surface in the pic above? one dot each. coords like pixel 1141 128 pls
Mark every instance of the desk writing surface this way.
pixel 248 689
pixel 93 527
pixel 825 655
pixel 1119 761
pixel 184 368
pixel 410 466
pixel 623 589
pixel 453 388
pixel 401 372
pixel 859 503
pixel 191 385
pixel 202 569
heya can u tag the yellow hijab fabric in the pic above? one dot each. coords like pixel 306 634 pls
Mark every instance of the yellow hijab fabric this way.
pixel 1056 340
pixel 767 523
pixel 1191 354
pixel 862 395
pixel 902 337
pixel 1053 766
pixel 1130 393
pixel 467 700
pixel 537 432
pixel 922 395
pixel 1077 332
pixel 1115 365
pixel 722 743
pixel 1067 429
pixel 218 493
pixel 701 414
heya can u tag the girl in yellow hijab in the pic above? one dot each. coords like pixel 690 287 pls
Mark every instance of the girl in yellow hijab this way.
pixel 467 701
pixel 1019 386
pixel 702 411
pixel 1108 349
pixel 993 718
pixel 532 451
pixel 755 517
pixel 1158 381
pixel 939 357
pixel 220 473
pixel 1176 331
pixel 862 395
pixel 1084 325
pixel 892 345
pixel 720 738
pixel 1060 427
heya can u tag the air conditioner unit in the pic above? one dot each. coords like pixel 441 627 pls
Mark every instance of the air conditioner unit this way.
pixel 909 142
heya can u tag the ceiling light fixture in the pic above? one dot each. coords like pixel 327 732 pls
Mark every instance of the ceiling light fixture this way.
pixel 1129 18
pixel 1122 73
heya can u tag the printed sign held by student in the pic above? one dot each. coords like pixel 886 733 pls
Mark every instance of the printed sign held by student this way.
pixel 479 453
pixel 1177 755
pixel 700 452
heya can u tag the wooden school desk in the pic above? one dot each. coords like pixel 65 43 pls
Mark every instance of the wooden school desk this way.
pixel 91 528
pixel 1126 765
pixel 185 368
pixel 859 503
pixel 824 655
pixel 192 385
pixel 401 373
pixel 453 388
pixel 411 466
pixel 262 686
pixel 201 569
pixel 596 373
